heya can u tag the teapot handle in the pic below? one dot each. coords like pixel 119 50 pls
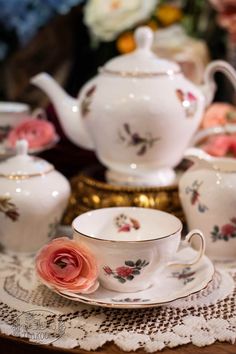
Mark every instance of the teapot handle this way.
pixel 209 82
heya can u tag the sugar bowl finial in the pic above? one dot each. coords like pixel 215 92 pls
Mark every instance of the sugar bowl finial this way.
pixel 22 147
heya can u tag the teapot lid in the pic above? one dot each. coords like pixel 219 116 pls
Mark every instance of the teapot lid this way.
pixel 142 62
pixel 22 165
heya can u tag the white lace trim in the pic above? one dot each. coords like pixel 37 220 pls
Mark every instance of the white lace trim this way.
pixel 200 319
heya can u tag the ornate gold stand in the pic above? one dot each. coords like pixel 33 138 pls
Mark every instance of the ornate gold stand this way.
pixel 89 191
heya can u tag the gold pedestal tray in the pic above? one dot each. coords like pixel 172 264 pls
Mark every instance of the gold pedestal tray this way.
pixel 90 191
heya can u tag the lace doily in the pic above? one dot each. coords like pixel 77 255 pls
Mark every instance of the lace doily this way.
pixel 29 308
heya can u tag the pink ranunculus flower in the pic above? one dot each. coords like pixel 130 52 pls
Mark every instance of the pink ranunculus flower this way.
pixel 65 264
pixel 37 132
pixel 219 114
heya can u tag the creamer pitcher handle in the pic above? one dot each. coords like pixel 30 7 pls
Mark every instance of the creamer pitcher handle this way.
pixel 200 252
pixel 209 82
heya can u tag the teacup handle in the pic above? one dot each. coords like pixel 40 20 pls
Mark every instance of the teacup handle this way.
pixel 201 250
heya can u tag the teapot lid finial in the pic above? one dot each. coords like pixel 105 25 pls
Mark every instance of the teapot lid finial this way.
pixel 22 147
pixel 144 37
pixel 142 62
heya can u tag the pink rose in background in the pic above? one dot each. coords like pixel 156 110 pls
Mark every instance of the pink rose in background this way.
pixel 64 264
pixel 219 114
pixel 37 132
pixel 222 5
pixel 221 145
pixel 226 15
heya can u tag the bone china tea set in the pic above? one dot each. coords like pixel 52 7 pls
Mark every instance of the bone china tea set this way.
pixel 139 115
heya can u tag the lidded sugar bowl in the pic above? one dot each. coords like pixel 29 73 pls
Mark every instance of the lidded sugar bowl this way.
pixel 33 197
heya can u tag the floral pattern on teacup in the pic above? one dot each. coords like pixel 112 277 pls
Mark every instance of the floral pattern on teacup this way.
pixel 195 196
pixel 224 232
pixel 142 143
pixel 125 224
pixel 188 101
pixel 87 101
pixel 186 275
pixel 8 208
pixel 127 271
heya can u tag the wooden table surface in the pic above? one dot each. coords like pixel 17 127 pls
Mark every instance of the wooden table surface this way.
pixel 12 345
pixel 69 160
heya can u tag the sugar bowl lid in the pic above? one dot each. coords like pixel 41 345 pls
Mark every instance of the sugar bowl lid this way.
pixel 142 61
pixel 22 165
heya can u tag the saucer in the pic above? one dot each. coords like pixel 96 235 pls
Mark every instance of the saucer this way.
pixel 174 282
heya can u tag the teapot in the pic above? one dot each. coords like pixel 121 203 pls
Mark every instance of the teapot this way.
pixel 33 197
pixel 208 196
pixel 138 114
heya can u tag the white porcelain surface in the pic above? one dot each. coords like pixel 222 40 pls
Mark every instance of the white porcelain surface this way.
pixel 208 195
pixel 138 114
pixel 172 284
pixel 11 113
pixel 131 245
pixel 32 200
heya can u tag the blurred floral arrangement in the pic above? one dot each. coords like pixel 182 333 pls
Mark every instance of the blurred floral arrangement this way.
pixel 226 17
pixel 116 19
pixel 20 20
pixel 107 20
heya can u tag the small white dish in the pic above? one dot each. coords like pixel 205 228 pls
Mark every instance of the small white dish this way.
pixel 173 283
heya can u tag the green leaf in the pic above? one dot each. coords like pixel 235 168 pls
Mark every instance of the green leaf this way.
pixel 130 263
pixel 138 263
pixel 121 280
pixel 136 272
pixel 130 277
pixel 216 229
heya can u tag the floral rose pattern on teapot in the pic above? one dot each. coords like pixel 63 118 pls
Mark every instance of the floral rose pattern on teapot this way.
pixel 8 208
pixel 126 224
pixel 87 101
pixel 195 196
pixel 142 143
pixel 225 232
pixel 188 101
pixel 126 272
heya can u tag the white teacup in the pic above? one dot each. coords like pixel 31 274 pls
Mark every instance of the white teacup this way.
pixel 132 245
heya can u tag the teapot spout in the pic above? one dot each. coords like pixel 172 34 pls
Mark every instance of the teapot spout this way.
pixel 67 110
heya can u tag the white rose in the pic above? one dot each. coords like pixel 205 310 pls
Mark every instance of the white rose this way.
pixel 107 18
